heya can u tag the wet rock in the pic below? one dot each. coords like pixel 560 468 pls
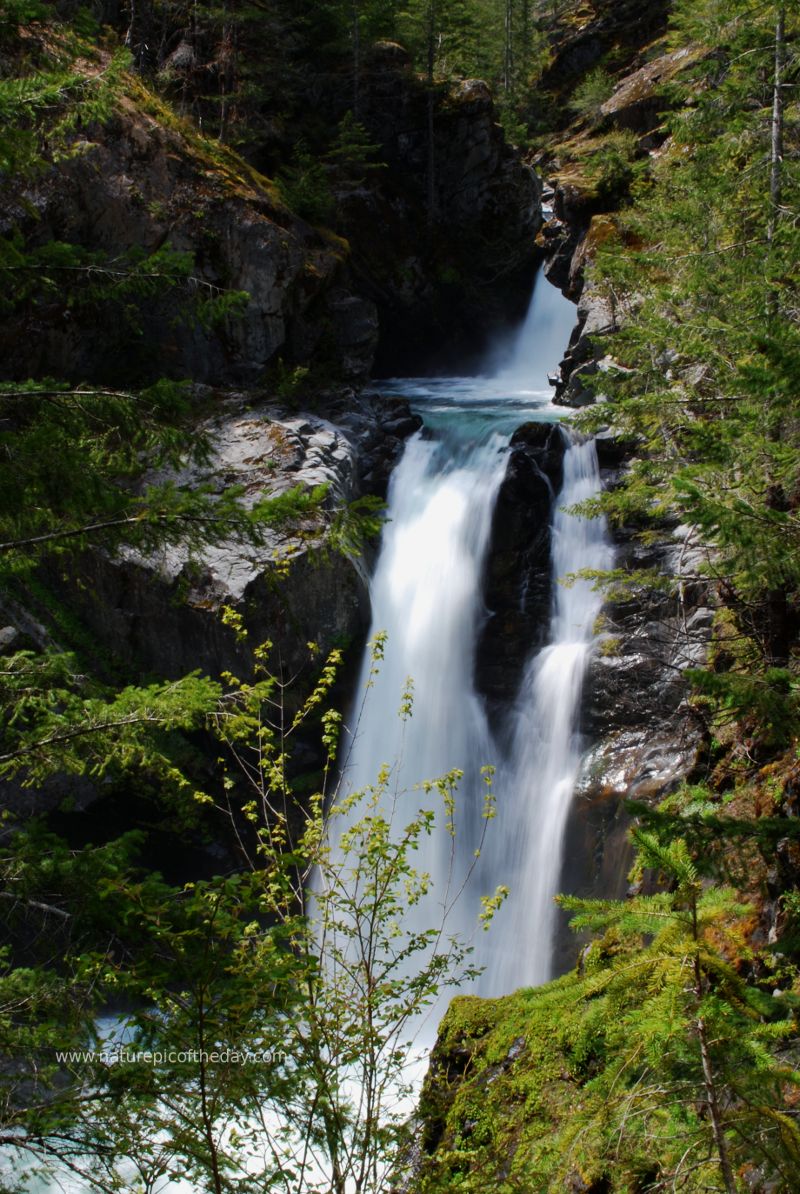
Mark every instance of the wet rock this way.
pixel 612 452
pixel 635 699
pixel 378 425
pixel 517 584
pixel 586 352
pixel 641 734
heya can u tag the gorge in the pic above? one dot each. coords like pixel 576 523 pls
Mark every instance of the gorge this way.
pixel 400 703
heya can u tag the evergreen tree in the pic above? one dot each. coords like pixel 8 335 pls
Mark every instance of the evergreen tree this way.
pixel 709 322
pixel 694 1070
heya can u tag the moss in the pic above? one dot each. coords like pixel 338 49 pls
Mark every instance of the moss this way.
pixel 498 1104
pixel 218 159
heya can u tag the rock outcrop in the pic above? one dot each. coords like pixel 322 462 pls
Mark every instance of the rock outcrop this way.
pixel 635 707
pixel 643 736
pixel 597 31
pixel 517 586
pixel 635 103
pixel 586 355
pixel 144 181
pixel 160 613
pixel 446 259
pixel 426 270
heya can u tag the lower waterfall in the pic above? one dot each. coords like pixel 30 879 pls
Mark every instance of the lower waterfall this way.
pixel 426 598
pixel 536 781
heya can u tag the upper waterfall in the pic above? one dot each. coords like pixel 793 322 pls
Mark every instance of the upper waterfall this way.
pixel 524 360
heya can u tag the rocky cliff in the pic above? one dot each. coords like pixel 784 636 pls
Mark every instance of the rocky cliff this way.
pixel 314 308
pixel 143 180
pixel 401 278
pixel 443 237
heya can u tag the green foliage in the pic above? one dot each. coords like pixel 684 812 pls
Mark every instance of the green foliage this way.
pixel 591 93
pixel 41 112
pixel 709 327
pixel 612 166
pixel 269 1025
pixel 74 457
pixel 352 154
pixel 56 721
pixel 304 187
pixel 356 524
pixel 14 13
pixel 769 696
pixel 654 1065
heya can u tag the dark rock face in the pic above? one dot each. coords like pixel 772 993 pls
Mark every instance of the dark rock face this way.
pixel 517 584
pixel 443 279
pixel 138 186
pixel 635 705
pixel 437 284
pixel 378 425
pixel 168 624
pixel 635 716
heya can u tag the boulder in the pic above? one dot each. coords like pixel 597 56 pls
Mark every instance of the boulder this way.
pixel 160 613
pixel 517 585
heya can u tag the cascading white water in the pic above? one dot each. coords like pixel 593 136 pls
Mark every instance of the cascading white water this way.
pixel 538 778
pixel 426 597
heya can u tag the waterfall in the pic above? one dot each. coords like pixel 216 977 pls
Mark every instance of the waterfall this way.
pixel 426 597
pixel 538 777
pixel 426 594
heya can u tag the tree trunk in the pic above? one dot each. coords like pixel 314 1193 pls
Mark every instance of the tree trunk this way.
pixel 778 628
pixel 431 39
pixel 356 58
pixel 712 1102
pixel 137 39
pixel 778 621
pixel 525 40
pixel 712 1098
pixel 508 49
pixel 776 148
pixel 205 1114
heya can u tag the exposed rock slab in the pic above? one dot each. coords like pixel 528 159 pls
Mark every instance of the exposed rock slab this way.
pixel 160 613
pixel 635 103
pixel 517 587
